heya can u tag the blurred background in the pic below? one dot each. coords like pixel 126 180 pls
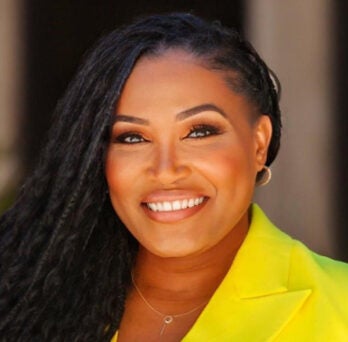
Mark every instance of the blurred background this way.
pixel 304 42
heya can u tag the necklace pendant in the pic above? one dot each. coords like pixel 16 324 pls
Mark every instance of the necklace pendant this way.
pixel 168 319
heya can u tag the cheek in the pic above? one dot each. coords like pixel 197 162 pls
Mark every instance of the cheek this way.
pixel 231 176
pixel 117 175
pixel 230 164
pixel 120 182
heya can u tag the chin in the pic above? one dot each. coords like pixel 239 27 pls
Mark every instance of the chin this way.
pixel 173 254
pixel 170 250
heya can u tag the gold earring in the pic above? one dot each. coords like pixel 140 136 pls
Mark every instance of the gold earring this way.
pixel 265 176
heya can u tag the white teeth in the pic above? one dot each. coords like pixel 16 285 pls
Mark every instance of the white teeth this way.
pixel 167 206
pixel 152 206
pixel 175 205
pixel 191 203
pixel 184 204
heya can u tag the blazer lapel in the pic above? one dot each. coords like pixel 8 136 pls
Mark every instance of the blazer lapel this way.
pixel 253 319
pixel 253 302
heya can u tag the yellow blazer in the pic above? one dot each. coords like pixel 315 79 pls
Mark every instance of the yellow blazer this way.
pixel 276 290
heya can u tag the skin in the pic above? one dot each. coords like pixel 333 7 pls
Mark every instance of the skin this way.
pixel 181 132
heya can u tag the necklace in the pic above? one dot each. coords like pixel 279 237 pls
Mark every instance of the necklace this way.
pixel 166 319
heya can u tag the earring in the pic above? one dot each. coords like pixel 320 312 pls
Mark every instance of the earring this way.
pixel 265 176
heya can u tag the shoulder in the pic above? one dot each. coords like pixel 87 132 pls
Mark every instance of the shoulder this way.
pixel 303 261
pixel 305 268
pixel 325 277
pixel 323 274
pixel 326 308
pixel 324 313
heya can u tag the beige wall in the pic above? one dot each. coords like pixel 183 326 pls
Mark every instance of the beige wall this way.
pixel 10 91
pixel 294 39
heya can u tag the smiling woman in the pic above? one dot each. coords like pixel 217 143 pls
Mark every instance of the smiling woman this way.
pixel 138 224
pixel 191 142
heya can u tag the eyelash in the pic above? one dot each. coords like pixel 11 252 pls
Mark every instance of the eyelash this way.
pixel 201 131
pixel 122 138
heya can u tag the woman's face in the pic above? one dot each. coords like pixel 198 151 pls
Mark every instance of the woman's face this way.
pixel 183 157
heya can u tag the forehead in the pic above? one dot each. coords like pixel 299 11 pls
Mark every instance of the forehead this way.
pixel 177 80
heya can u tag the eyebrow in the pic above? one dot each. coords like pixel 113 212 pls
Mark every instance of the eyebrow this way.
pixel 131 119
pixel 199 109
pixel 179 117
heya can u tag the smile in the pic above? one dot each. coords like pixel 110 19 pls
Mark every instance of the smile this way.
pixel 175 205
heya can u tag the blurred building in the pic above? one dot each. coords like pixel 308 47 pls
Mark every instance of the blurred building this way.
pixel 11 104
pixel 295 38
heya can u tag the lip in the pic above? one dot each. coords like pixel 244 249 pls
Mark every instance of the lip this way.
pixel 154 200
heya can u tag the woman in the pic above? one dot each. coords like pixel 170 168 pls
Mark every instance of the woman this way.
pixel 137 224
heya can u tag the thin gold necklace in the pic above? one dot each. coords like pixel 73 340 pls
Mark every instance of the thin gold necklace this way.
pixel 166 319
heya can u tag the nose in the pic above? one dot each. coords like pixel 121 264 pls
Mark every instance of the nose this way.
pixel 168 164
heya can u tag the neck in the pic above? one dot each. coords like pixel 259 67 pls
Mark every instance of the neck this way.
pixel 191 279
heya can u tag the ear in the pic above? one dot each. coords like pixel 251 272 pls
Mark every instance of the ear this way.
pixel 262 135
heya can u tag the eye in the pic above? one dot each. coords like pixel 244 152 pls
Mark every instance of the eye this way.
pixel 203 131
pixel 130 138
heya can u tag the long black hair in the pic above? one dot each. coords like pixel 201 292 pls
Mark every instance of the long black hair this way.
pixel 65 255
